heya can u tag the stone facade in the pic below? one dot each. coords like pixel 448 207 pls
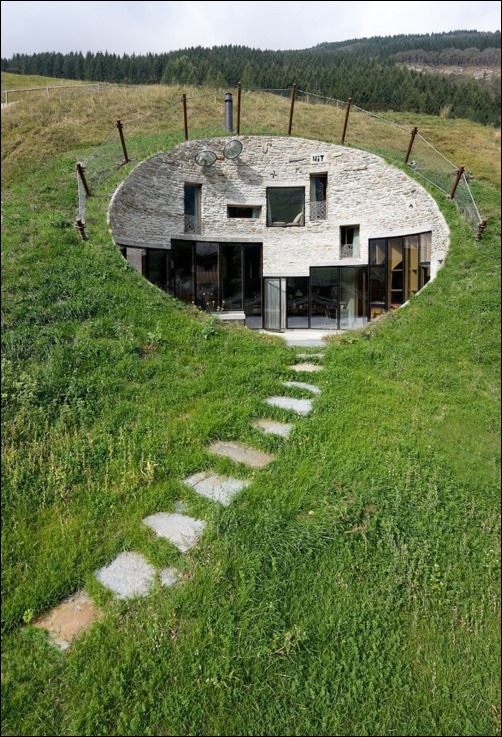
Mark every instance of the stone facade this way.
pixel 147 210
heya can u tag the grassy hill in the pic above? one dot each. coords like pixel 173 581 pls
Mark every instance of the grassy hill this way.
pixel 353 588
pixel 378 73
pixel 21 81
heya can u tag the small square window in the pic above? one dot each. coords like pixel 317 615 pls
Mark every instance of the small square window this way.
pixel 349 241
pixel 243 211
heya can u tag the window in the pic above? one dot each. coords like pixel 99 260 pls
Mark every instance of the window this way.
pixel 318 188
pixel 156 267
pixel 424 258
pixel 349 241
pixel 243 211
pixel 215 276
pixel 192 208
pixel 398 269
pixel 396 294
pixel 285 206
pixel 411 281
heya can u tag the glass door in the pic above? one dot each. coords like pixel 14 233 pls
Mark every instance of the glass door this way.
pixel 272 303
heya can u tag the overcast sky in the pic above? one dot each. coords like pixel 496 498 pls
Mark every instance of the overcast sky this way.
pixel 139 27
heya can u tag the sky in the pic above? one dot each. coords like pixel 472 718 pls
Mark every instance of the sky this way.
pixel 123 27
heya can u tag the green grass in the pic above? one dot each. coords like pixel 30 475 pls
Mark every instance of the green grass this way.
pixel 352 589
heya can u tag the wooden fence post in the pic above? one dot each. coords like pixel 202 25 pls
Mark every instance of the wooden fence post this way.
pixel 80 171
pixel 81 229
pixel 292 107
pixel 122 141
pixel 346 122
pixel 481 226
pixel 458 177
pixel 413 134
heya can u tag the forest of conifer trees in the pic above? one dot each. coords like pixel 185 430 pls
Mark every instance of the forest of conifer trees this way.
pixel 374 72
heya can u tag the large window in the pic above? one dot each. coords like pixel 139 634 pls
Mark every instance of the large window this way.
pixel 156 266
pixel 217 276
pixel 318 188
pixel 297 296
pixel 285 206
pixel 231 276
pixel 398 268
pixel 192 208
pixel 207 292
pixel 338 297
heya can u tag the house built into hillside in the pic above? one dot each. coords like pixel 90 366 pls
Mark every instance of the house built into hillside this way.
pixel 279 232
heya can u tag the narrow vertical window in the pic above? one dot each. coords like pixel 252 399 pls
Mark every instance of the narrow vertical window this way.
pixel 424 259
pixel 192 208
pixel 318 189
pixel 411 282
pixel 349 241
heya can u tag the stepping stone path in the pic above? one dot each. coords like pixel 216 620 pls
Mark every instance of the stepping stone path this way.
pixel 130 574
pixel 169 576
pixel 218 488
pixel 241 453
pixel 69 619
pixel 273 427
pixel 308 367
pixel 182 531
pixel 300 406
pixel 303 385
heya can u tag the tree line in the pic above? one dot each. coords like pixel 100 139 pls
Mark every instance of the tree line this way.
pixel 370 71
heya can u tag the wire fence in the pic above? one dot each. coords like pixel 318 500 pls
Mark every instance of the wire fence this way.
pixel 300 113
pixel 15 95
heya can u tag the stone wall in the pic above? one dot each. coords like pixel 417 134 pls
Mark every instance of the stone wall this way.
pixel 148 208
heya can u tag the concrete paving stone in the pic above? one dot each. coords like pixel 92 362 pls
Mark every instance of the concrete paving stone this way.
pixel 309 367
pixel 306 338
pixel 218 488
pixel 128 575
pixel 182 531
pixel 69 619
pixel 274 428
pixel 300 406
pixel 169 576
pixel 302 385
pixel 241 453
pixel 310 355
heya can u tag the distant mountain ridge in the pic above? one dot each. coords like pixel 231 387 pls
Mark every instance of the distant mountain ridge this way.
pixel 378 73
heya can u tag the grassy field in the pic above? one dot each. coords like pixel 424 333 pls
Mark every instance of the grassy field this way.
pixel 11 81
pixel 353 588
pixel 16 87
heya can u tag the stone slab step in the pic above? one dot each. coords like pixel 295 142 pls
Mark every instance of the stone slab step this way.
pixel 220 489
pixel 307 367
pixel 68 620
pixel 129 575
pixel 273 427
pixel 169 576
pixel 181 530
pixel 302 385
pixel 300 406
pixel 241 453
